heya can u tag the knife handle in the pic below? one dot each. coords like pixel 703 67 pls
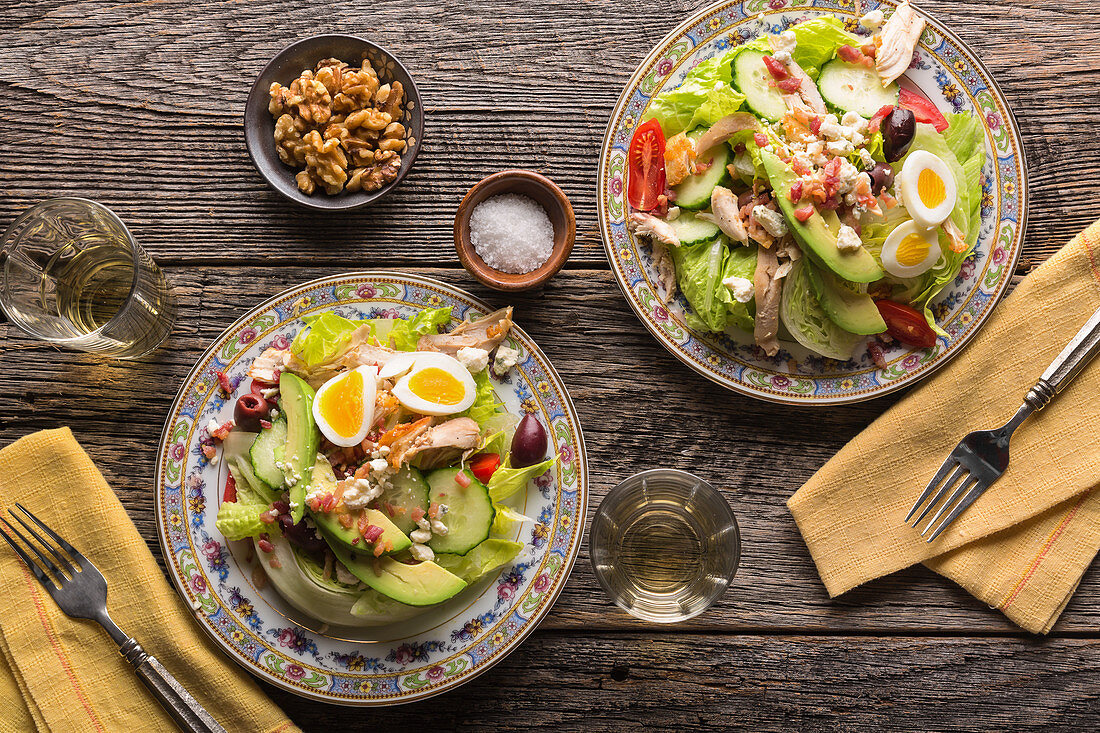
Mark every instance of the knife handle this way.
pixel 1078 352
pixel 177 701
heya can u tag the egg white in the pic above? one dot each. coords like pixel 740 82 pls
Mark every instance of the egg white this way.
pixel 893 241
pixel 449 364
pixel 924 216
pixel 398 365
pixel 370 388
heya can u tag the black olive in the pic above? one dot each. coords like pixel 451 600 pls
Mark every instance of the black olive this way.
pixel 882 177
pixel 897 132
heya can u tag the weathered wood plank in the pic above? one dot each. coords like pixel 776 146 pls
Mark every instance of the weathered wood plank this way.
pixel 639 407
pixel 642 682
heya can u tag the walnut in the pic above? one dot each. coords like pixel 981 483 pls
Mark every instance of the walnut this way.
pixel 338 123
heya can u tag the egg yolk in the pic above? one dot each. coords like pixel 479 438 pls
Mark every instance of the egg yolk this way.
pixel 912 250
pixel 437 385
pixel 931 188
pixel 342 405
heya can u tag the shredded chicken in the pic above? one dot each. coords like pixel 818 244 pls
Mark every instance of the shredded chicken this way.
pixel 807 92
pixel 725 213
pixel 269 365
pixel 666 271
pixel 658 230
pixel 768 285
pixel 484 333
pixel 725 128
pixel 899 43
pixel 679 158
pixel 958 241
pixel 435 446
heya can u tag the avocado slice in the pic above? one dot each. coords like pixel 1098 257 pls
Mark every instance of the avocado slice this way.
pixel 329 522
pixel 302 440
pixel 423 584
pixel 818 241
pixel 854 312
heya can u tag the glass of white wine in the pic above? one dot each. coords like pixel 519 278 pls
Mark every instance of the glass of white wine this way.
pixel 664 545
pixel 72 274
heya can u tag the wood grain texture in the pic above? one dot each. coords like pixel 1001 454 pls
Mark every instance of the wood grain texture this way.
pixel 139 105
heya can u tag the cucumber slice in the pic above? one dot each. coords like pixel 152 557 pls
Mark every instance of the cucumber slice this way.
pixel 469 514
pixel 692 230
pixel 407 491
pixel 850 87
pixel 694 191
pixel 755 81
pixel 263 453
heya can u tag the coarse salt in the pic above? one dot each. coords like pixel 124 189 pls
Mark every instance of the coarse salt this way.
pixel 511 233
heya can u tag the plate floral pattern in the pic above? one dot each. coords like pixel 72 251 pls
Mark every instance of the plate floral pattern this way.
pixel 946 71
pixel 411 660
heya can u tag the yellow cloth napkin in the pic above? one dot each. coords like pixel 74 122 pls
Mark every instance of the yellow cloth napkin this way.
pixel 1024 545
pixel 62 674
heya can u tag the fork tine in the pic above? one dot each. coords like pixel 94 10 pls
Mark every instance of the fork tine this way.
pixel 39 573
pixel 58 575
pixel 966 501
pixel 73 552
pixel 63 561
pixel 940 475
pixel 965 484
pixel 944 491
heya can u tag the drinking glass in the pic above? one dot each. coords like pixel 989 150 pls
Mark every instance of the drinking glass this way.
pixel 664 545
pixel 73 275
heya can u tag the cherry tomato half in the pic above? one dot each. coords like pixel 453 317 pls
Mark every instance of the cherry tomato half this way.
pixel 230 494
pixel 906 324
pixel 646 166
pixel 484 466
pixel 922 109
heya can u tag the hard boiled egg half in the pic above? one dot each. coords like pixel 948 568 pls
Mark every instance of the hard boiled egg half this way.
pixel 435 384
pixel 927 188
pixel 343 407
pixel 910 250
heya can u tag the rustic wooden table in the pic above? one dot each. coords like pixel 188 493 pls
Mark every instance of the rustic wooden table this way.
pixel 139 106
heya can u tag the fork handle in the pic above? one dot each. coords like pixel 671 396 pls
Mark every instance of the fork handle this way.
pixel 1068 364
pixel 177 701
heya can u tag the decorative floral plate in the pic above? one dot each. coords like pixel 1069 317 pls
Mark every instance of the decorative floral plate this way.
pixel 407 661
pixel 947 72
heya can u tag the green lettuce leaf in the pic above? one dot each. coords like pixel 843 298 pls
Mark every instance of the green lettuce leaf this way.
pixel 507 481
pixel 405 333
pixel 806 321
pixel 700 270
pixel 818 41
pixel 325 334
pixel 481 560
pixel 704 97
pixel 506 518
pixel 240 521
pixel 486 404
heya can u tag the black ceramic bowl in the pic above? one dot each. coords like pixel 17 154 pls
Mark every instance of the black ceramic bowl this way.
pixel 288 64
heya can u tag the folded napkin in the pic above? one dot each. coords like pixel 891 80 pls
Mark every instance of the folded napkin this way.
pixel 1024 545
pixel 61 674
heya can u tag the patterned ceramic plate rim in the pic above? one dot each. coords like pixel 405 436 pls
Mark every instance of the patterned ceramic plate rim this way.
pixel 939 358
pixel 568 552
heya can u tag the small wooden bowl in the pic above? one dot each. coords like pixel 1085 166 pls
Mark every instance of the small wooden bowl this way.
pixel 536 187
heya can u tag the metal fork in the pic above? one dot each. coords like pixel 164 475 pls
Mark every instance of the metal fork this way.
pixel 81 591
pixel 982 456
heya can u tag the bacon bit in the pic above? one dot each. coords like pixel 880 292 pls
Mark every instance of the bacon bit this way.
pixel 209 451
pixel 269 516
pixel 230 494
pixel 760 139
pixel 417 514
pixel 362 471
pixel 869 49
pixel 875 122
pixel 355 541
pixel 346 520
pixel 433 510
pixel 314 503
pixel 222 431
pixel 462 479
pixel 790 85
pixel 815 125
pixel 275 562
pixel 800 166
pixel 804 213
pixel 855 55
pixel 832 203
pixel 878 356
pixel 702 167
pixel 397 431
pixel 224 383
pixel 795 193
pixel 400 511
pixel 373 533
pixel 265 544
pixel 889 200
pixel 363 525
pixel 265 424
pixel 775 68
pixel 379 549
pixel 328 503
pixel 388 509
pixel 494 330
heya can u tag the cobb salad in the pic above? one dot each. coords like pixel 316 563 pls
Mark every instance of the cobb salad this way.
pixel 370 462
pixel 791 188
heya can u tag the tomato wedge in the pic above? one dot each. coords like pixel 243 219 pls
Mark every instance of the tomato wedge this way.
pixel 906 324
pixel 922 109
pixel 484 466
pixel 646 166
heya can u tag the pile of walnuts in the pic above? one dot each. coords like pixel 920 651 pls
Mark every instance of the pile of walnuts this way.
pixel 339 124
